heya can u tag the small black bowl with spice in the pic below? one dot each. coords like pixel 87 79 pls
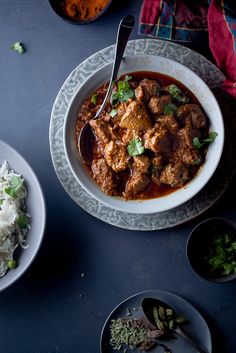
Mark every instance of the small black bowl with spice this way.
pixel 80 11
pixel 211 250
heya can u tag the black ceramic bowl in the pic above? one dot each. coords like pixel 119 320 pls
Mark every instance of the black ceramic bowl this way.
pixel 200 242
pixel 57 8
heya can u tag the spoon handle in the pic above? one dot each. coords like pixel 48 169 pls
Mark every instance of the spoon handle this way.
pixel 125 28
pixel 195 345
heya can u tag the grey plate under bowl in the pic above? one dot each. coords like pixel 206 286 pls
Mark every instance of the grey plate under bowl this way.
pixel 194 207
pixel 196 328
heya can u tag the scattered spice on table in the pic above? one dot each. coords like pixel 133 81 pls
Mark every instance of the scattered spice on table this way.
pixel 83 9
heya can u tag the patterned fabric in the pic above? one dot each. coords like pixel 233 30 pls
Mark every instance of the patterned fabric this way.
pixel 174 19
pixel 189 21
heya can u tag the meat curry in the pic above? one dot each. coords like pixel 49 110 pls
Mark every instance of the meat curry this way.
pixel 151 138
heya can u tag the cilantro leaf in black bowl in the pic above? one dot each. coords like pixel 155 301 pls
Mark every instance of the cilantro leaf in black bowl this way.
pixel 211 249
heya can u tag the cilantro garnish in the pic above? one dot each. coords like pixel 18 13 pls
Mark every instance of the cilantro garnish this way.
pixel 94 99
pixel 221 256
pixel 18 47
pixel 135 147
pixel 197 161
pixel 14 186
pixel 197 143
pixel 22 221
pixel 124 92
pixel 169 109
pixel 177 94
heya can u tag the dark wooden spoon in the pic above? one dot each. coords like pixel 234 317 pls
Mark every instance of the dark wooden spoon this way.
pixel 86 134
pixel 148 304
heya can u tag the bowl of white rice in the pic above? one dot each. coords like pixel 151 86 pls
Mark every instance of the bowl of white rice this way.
pixel 22 215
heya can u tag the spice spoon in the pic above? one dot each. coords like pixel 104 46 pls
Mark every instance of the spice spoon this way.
pixel 86 135
pixel 148 304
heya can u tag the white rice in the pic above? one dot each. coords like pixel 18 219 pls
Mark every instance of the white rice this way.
pixel 11 208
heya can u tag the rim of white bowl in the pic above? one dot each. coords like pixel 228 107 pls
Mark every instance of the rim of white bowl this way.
pixel 131 206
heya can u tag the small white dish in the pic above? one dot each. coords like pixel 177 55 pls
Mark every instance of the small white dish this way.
pixel 201 91
pixel 35 206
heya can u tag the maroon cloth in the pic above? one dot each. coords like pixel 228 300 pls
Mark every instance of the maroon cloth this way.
pixel 186 21
pixel 222 43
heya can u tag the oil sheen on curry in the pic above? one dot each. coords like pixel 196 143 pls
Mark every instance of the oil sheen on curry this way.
pixel 151 138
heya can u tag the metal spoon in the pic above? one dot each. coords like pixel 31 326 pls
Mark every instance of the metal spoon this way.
pixel 86 135
pixel 148 304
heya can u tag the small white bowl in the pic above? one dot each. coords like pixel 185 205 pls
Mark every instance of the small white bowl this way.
pixel 201 91
pixel 35 206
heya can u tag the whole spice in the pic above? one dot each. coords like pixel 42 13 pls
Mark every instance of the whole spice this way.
pixel 83 9
pixel 165 319
pixel 126 333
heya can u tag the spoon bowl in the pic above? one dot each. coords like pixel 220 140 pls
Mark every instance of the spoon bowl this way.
pixel 157 312
pixel 124 30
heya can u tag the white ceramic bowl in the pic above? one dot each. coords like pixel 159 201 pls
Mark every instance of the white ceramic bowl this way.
pixel 194 84
pixel 35 206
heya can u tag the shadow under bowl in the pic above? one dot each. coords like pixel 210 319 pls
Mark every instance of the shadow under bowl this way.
pixel 57 8
pixel 199 242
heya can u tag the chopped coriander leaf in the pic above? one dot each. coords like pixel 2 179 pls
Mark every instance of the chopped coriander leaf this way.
pixel 14 186
pixel 11 264
pixel 221 254
pixel 211 137
pixel 197 161
pixel 22 221
pixel 197 143
pixel 169 109
pixel 177 94
pixel 124 92
pixel 18 47
pixel 114 100
pixel 135 147
pixel 94 99
pixel 113 113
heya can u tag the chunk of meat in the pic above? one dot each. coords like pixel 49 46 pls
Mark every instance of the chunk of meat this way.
pixel 116 156
pixel 136 183
pixel 192 113
pixel 157 162
pixel 101 130
pixel 174 174
pixel 187 155
pixel 157 139
pixel 103 175
pixel 121 109
pixel 128 135
pixel 136 117
pixel 187 134
pixel 169 122
pixel 141 164
pixel 146 89
pixel 156 177
pixel 157 104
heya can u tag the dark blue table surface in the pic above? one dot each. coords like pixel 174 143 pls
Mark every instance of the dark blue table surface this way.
pixel 52 309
